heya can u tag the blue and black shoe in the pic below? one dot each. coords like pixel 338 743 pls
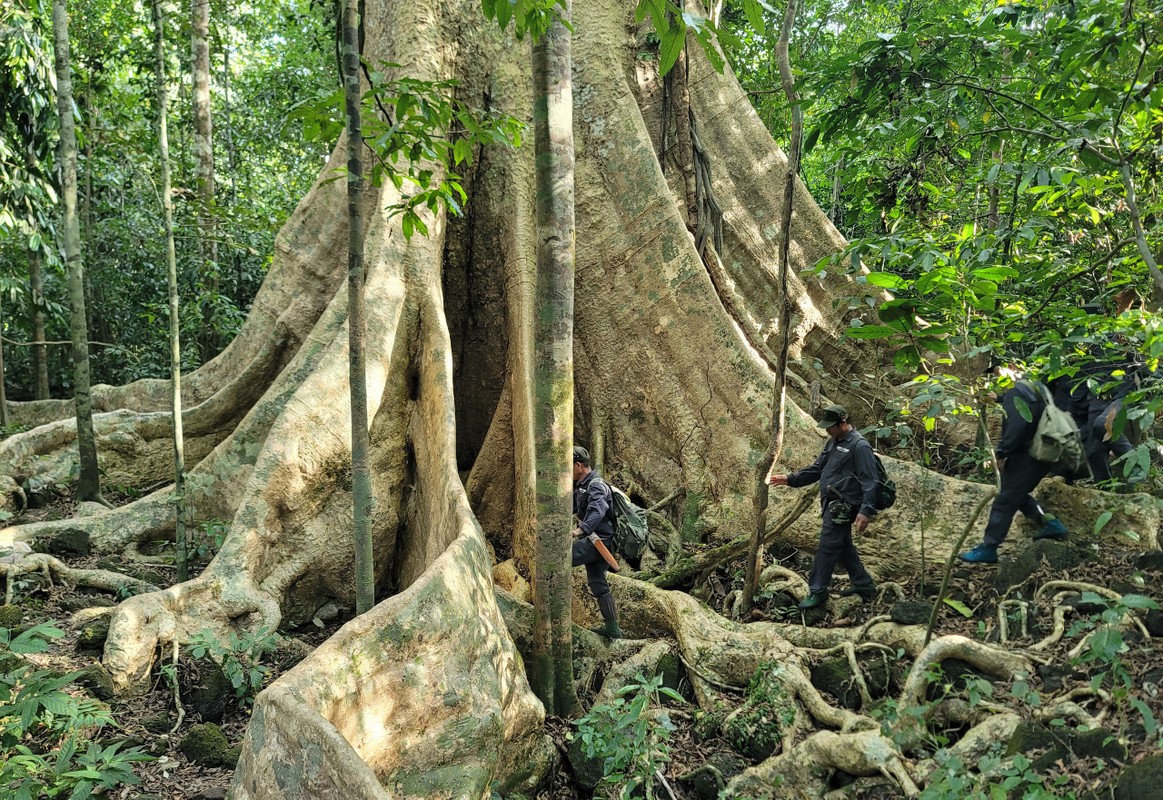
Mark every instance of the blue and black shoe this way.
pixel 982 554
pixel 1052 528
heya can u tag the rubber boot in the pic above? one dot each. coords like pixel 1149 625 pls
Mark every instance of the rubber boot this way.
pixel 609 627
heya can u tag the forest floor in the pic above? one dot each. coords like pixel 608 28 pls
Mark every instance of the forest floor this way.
pixel 1115 672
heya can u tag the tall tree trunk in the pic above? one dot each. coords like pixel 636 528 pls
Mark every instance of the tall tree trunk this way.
pixel 3 388
pixel 89 482
pixel 361 487
pixel 204 175
pixel 232 169
pixel 172 278
pixel 779 399
pixel 552 666
pixel 39 350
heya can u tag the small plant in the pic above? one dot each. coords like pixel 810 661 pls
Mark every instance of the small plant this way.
pixel 44 749
pixel 994 779
pixel 1103 648
pixel 204 542
pixel 240 656
pixel 630 735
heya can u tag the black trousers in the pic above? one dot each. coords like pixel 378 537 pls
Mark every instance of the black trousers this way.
pixel 584 552
pixel 836 547
pixel 1098 451
pixel 1021 475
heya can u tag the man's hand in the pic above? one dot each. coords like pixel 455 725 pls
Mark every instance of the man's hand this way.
pixel 577 533
pixel 861 523
pixel 777 480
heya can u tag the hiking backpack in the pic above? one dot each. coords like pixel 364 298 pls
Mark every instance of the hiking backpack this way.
pixel 1057 439
pixel 885 486
pixel 630 532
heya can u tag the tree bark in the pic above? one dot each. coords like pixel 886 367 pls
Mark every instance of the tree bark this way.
pixel 39 351
pixel 779 399
pixel 204 172
pixel 163 138
pixel 361 487
pixel 552 672
pixel 88 483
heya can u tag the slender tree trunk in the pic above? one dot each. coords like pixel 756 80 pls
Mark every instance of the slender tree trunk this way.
pixel 172 277
pixel 232 168
pixel 361 487
pixel 39 350
pixel 3 389
pixel 779 401
pixel 89 482
pixel 204 177
pixel 552 666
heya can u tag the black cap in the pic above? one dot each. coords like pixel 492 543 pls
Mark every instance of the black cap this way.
pixel 580 454
pixel 831 415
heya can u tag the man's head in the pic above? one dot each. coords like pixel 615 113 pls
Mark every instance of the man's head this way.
pixel 581 462
pixel 834 420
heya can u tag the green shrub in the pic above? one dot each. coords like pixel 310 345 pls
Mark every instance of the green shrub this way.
pixel 630 735
pixel 44 746
pixel 241 656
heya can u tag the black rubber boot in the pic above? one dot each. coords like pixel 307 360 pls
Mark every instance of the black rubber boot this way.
pixel 609 627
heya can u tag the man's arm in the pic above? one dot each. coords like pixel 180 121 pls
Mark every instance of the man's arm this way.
pixel 809 474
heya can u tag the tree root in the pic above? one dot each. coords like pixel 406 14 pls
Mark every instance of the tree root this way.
pixel 803 770
pixel 50 567
pixel 983 657
pixel 976 742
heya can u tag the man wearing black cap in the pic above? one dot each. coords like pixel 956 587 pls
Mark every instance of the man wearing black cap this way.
pixel 591 506
pixel 847 475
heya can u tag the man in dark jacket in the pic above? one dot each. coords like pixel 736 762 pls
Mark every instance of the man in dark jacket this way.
pixel 591 507
pixel 846 472
pixel 1020 472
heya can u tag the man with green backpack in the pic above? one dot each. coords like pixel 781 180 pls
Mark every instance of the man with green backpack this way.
pixel 593 536
pixel 1035 436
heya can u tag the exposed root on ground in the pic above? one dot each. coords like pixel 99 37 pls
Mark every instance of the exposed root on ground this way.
pixel 51 568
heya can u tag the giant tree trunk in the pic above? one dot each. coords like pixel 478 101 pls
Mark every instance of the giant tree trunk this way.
pixel 426 694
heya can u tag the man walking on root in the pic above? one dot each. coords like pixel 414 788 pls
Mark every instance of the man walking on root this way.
pixel 1020 472
pixel 846 472
pixel 592 500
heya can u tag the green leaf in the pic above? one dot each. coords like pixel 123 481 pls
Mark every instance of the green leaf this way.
pixel 1023 408
pixel 995 274
pixel 754 14
pixel 672 41
pixel 1102 520
pixel 959 607
pixel 871 332
pixel 886 280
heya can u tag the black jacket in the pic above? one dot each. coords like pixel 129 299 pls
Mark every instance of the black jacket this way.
pixel 1016 432
pixel 848 465
pixel 591 505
